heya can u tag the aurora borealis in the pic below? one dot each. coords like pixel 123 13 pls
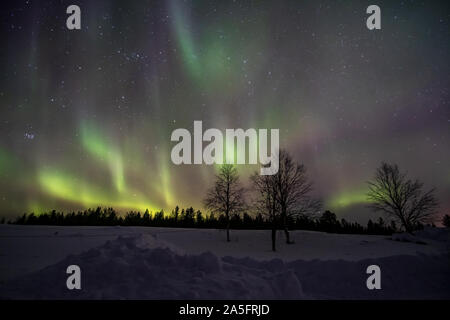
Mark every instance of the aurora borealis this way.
pixel 86 115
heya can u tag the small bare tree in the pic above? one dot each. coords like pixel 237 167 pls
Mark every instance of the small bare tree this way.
pixel 227 195
pixel 401 198
pixel 284 194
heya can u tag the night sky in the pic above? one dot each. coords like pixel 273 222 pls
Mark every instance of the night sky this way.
pixel 86 115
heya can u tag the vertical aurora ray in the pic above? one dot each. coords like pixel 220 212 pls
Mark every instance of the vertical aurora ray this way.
pixel 6 162
pixel 104 151
pixel 209 54
pixel 185 39
pixel 165 180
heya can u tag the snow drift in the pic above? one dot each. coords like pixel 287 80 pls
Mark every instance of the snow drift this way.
pixel 130 268
pixel 157 265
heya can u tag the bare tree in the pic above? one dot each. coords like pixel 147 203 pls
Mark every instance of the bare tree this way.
pixel 266 203
pixel 227 195
pixel 292 190
pixel 285 194
pixel 401 198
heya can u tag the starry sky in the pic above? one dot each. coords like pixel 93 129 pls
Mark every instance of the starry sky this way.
pixel 86 115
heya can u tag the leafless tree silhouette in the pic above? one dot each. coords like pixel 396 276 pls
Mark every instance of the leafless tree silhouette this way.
pixel 285 194
pixel 266 202
pixel 401 198
pixel 227 195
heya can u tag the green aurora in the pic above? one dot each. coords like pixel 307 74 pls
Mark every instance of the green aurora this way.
pixel 86 116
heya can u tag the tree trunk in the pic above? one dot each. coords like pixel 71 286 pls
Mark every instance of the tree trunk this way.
pixel 408 228
pixel 286 231
pixel 274 238
pixel 406 224
pixel 228 228
pixel 228 211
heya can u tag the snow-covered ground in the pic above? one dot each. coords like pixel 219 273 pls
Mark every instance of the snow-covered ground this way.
pixel 153 263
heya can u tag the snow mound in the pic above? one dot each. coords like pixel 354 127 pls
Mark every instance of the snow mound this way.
pixel 402 277
pixel 151 241
pixel 145 268
pixel 432 233
pixel 424 236
pixel 407 237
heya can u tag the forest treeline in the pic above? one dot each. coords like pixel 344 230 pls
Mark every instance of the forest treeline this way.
pixel 191 218
pixel 282 200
